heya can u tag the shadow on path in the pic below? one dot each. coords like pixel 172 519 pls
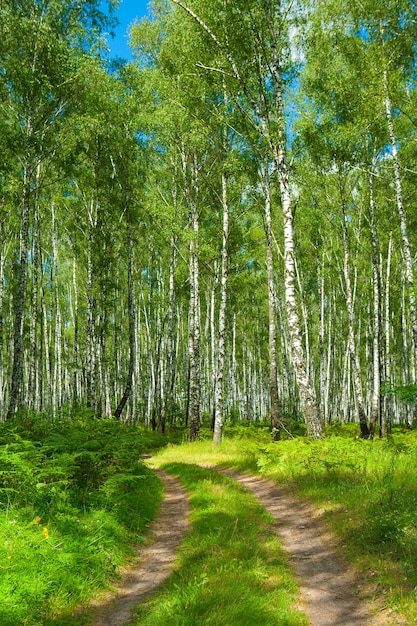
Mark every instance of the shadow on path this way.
pixel 156 560
pixel 328 588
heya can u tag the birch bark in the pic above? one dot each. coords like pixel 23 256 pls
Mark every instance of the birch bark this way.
pixel 221 346
pixel 194 329
pixel 15 399
pixel 272 314
pixel 409 275
pixel 131 317
pixel 306 391
pixel 57 378
pixel 375 412
pixel 357 382
pixel 191 185
pixel 75 372
pixel 387 362
pixel 91 338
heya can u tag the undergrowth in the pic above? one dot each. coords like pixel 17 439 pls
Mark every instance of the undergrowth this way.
pixel 366 490
pixel 75 497
pixel 230 568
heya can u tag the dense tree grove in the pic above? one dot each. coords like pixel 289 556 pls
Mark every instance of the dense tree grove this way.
pixel 223 230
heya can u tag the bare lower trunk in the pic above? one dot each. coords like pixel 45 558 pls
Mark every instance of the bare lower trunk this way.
pixel 91 348
pixel 375 413
pixel 15 400
pixel 218 391
pixel 57 378
pixel 171 339
pixel 357 382
pixel 75 372
pixel 272 332
pixel 308 402
pixel 409 275
pixel 131 318
pixel 2 259
pixel 46 342
pixel 194 341
pixel 387 363
pixel 191 186
pixel 322 356
pixel 32 399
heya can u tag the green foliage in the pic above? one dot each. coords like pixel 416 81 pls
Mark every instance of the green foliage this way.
pixel 407 393
pixel 365 490
pixel 75 497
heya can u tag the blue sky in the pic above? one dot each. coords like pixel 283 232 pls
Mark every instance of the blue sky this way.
pixel 129 10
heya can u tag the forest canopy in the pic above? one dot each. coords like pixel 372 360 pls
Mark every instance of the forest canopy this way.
pixel 222 230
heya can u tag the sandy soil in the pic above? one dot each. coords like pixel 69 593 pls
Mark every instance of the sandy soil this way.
pixel 329 589
pixel 156 559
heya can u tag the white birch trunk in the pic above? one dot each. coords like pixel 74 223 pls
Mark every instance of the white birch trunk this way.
pixel 75 372
pixel 57 378
pixel 307 396
pixel 322 356
pixel 353 349
pixel 15 398
pixel 221 346
pixel 45 317
pixel 191 185
pixel 272 331
pixel 409 275
pixel 375 412
pixel 91 313
pixel 387 397
pixel 171 340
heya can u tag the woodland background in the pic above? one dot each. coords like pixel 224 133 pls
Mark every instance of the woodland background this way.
pixel 223 229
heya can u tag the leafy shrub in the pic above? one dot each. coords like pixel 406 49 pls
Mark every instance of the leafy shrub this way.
pixel 75 496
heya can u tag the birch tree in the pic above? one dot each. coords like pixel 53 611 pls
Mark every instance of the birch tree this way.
pixel 254 57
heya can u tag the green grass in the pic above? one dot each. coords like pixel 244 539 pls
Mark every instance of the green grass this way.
pixel 75 497
pixel 230 568
pixel 366 490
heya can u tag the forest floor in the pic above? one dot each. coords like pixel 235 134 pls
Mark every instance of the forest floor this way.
pixel 155 561
pixel 331 593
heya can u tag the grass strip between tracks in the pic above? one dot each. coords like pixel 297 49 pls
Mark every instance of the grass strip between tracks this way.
pixel 230 568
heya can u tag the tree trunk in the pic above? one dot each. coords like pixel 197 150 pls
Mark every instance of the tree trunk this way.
pixel 36 269
pixel 387 363
pixel 272 331
pixel 57 378
pixel 322 356
pixel 306 392
pixel 15 400
pixel 91 343
pixel 171 338
pixel 191 186
pixel 375 412
pixel 75 349
pixel 221 346
pixel 194 334
pixel 132 318
pixel 403 223
pixel 308 402
pixel 353 349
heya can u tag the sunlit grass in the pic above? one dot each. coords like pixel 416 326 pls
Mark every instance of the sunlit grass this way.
pixel 75 498
pixel 366 490
pixel 230 568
